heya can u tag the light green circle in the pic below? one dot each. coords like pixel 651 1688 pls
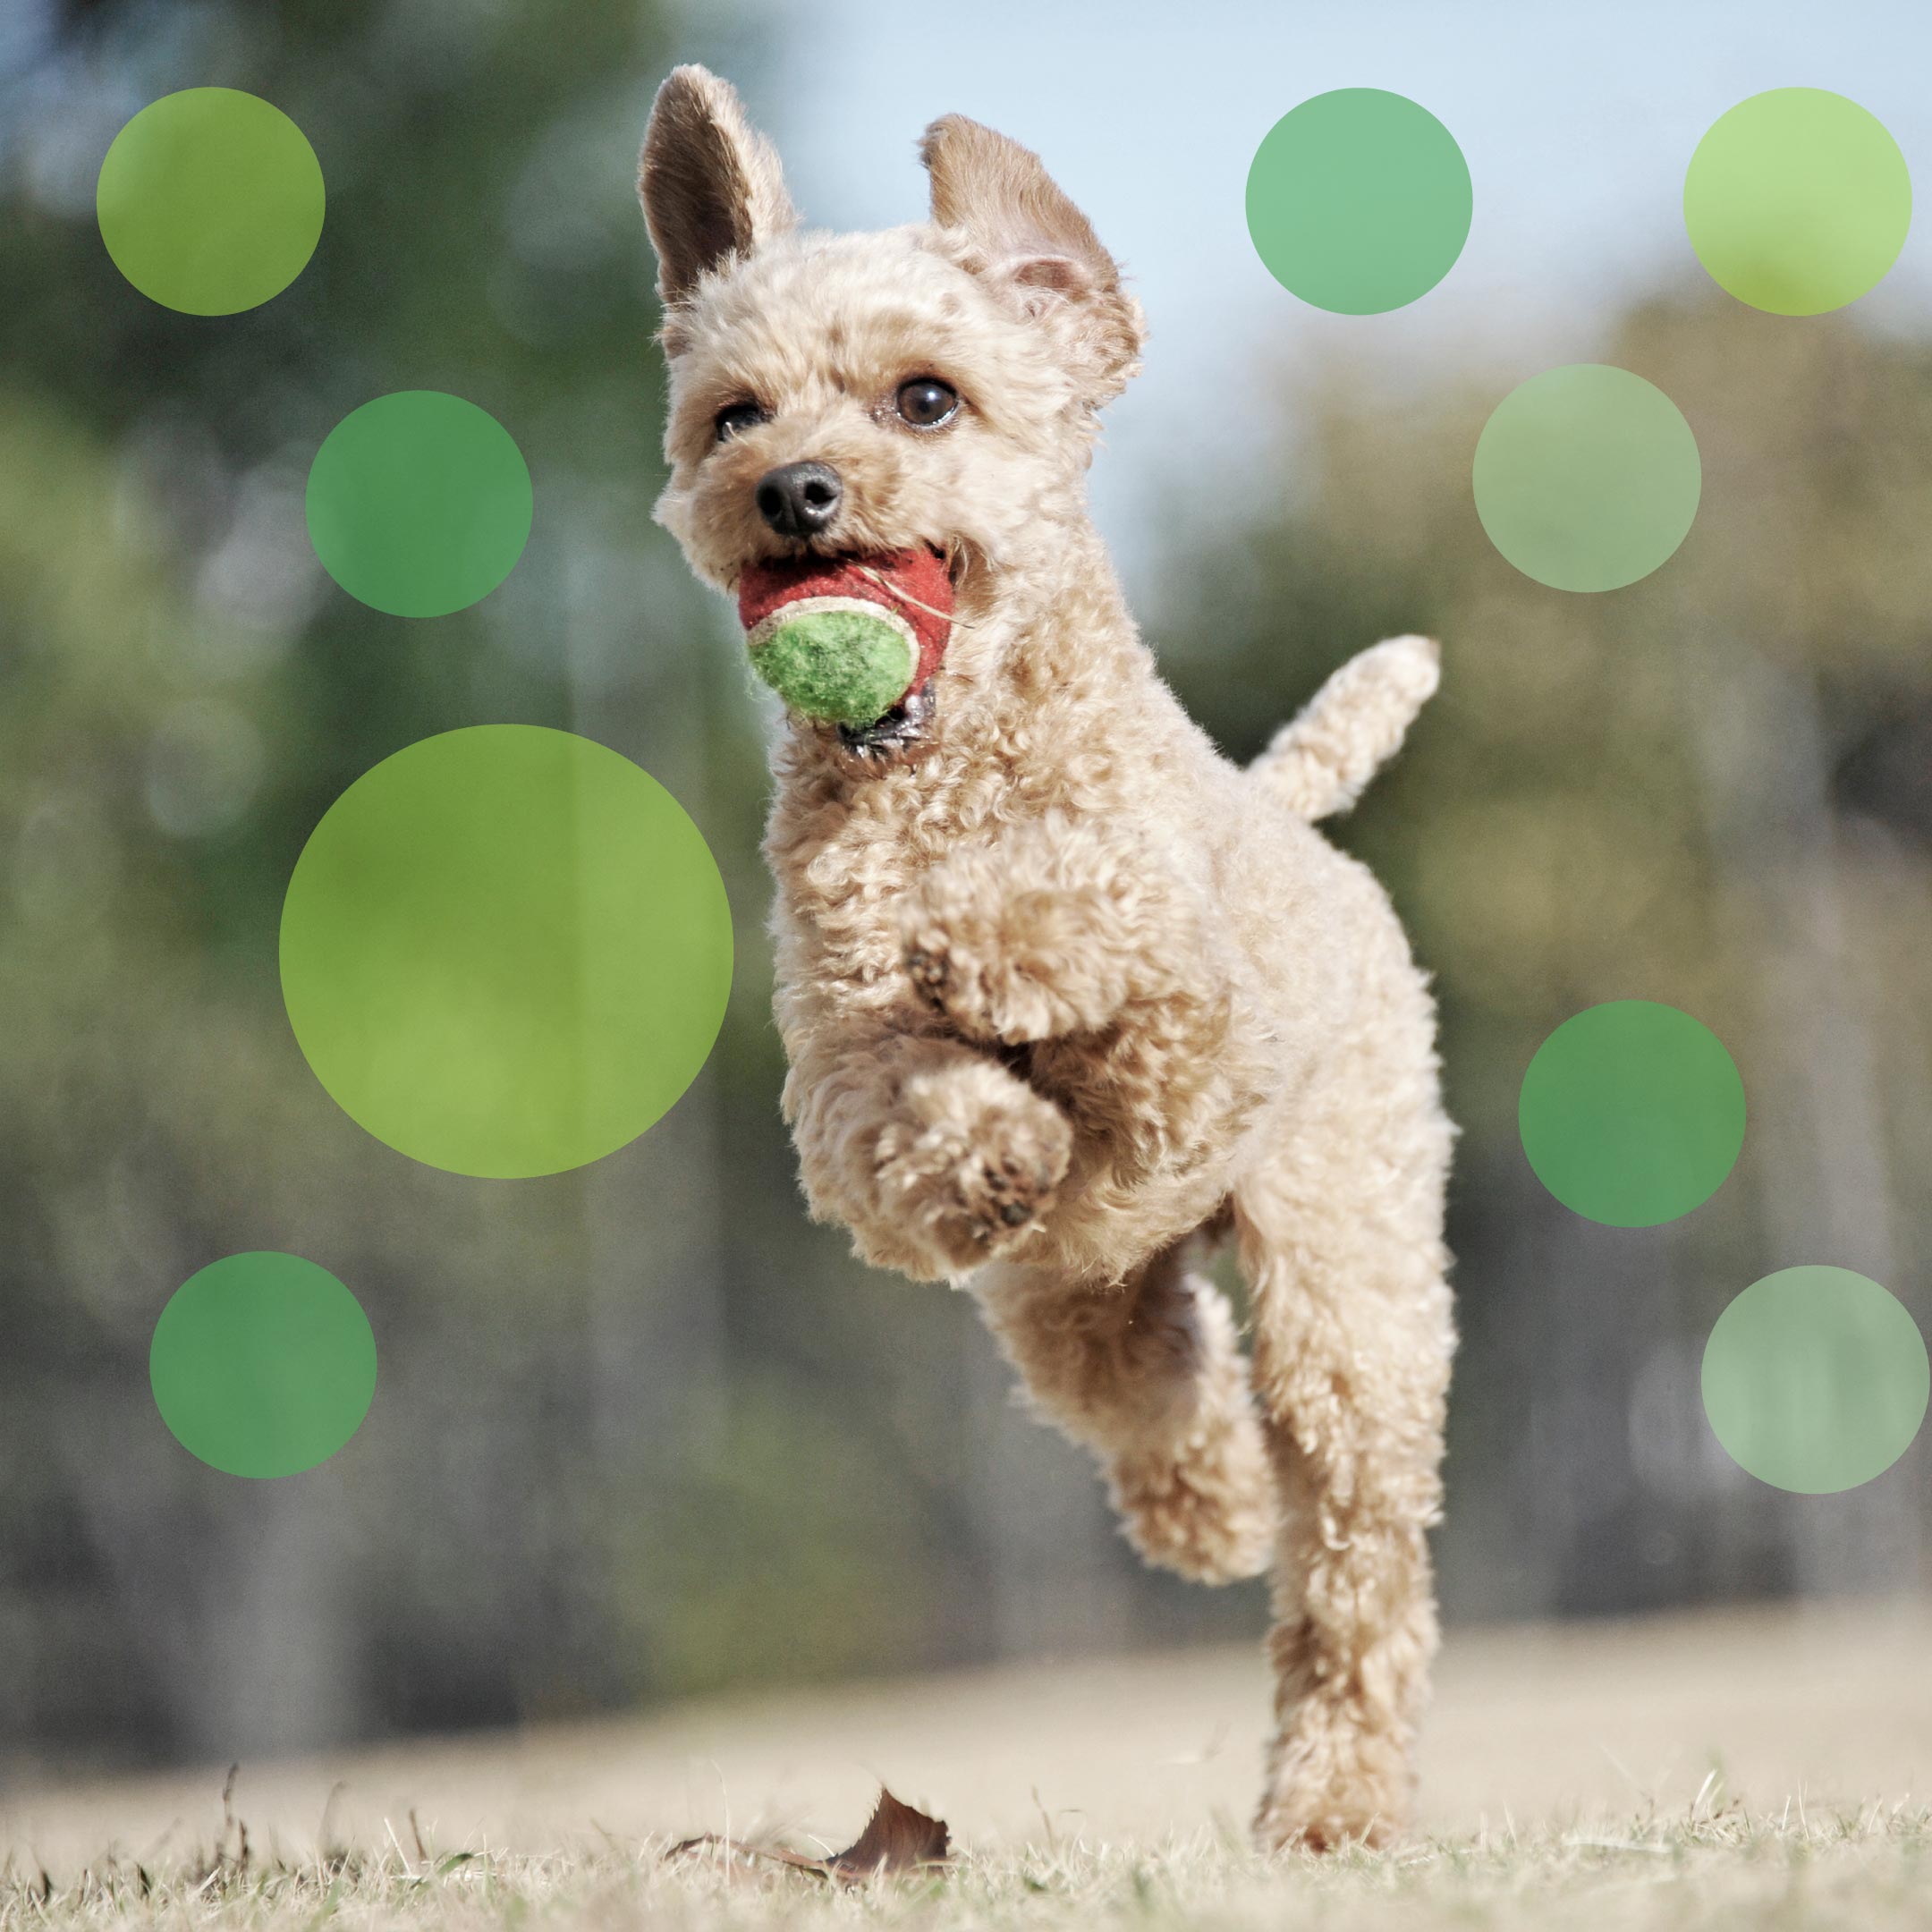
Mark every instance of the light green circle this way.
pixel 1816 1380
pixel 505 951
pixel 262 1365
pixel 1797 201
pixel 1632 1114
pixel 1359 202
pixel 419 503
pixel 210 201
pixel 1587 477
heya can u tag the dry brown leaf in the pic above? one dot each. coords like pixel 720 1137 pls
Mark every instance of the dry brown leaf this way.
pixel 897 1838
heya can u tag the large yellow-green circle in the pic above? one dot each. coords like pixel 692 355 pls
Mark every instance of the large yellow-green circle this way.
pixel 210 201
pixel 1816 1380
pixel 505 951
pixel 1797 201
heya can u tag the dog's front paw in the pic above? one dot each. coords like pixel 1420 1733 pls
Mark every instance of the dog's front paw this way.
pixel 972 1168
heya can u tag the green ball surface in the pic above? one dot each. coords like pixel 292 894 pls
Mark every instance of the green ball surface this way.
pixel 844 666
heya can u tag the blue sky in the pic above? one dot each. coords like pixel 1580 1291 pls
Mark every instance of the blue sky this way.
pixel 1577 124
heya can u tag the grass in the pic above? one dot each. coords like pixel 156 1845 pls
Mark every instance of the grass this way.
pixel 1724 1868
pixel 1575 1778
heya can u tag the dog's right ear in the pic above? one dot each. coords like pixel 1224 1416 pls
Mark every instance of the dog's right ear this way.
pixel 709 182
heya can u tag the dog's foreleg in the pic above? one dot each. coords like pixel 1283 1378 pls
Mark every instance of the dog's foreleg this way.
pixel 934 1156
pixel 1147 1373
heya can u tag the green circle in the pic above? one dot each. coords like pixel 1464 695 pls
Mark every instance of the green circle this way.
pixel 1359 202
pixel 419 503
pixel 1816 1380
pixel 1797 201
pixel 1632 1114
pixel 505 951
pixel 210 201
pixel 1587 477
pixel 848 666
pixel 262 1365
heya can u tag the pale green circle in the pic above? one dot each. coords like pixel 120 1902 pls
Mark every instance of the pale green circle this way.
pixel 505 951
pixel 1797 201
pixel 1816 1380
pixel 1587 477
pixel 210 201
pixel 262 1364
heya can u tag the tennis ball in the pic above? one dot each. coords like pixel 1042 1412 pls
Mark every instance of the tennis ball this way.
pixel 846 667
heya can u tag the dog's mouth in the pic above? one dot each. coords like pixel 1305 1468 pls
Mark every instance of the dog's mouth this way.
pixel 820 626
pixel 904 729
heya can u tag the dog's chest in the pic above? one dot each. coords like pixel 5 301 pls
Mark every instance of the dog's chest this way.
pixel 845 868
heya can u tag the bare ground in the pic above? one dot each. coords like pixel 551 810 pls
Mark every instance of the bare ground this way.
pixel 1748 1767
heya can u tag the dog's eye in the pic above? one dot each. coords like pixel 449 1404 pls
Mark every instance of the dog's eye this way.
pixel 926 402
pixel 736 416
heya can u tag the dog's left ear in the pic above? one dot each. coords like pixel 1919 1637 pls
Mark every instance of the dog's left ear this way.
pixel 710 183
pixel 1035 250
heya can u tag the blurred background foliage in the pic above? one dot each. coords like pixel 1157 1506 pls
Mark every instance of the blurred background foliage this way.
pixel 641 1430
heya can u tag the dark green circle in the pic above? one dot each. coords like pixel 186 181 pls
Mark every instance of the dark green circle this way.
pixel 1359 202
pixel 419 503
pixel 262 1364
pixel 1632 1114
pixel 210 201
pixel 505 951
pixel 1816 1380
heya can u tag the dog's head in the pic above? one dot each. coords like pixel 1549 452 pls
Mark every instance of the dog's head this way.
pixel 854 395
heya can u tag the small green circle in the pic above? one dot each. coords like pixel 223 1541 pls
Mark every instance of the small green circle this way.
pixel 262 1365
pixel 210 201
pixel 1816 1380
pixel 1797 201
pixel 1359 202
pixel 505 951
pixel 419 503
pixel 847 666
pixel 1632 1114
pixel 1587 477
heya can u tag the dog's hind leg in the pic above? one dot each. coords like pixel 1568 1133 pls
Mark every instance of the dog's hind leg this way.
pixel 1146 1374
pixel 1341 1237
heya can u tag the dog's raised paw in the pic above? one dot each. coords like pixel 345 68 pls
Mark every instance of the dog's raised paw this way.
pixel 930 972
pixel 978 1179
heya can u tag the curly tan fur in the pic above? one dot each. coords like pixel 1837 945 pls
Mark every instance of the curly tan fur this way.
pixel 1060 988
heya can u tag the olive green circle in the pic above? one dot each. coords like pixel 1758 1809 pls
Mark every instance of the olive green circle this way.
pixel 1632 1114
pixel 1587 477
pixel 262 1365
pixel 1816 1380
pixel 1797 201
pixel 210 201
pixel 505 951
pixel 1359 202
pixel 419 503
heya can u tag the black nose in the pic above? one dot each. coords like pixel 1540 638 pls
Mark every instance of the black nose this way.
pixel 799 499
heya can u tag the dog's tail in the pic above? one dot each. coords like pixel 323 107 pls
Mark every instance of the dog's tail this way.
pixel 1320 763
